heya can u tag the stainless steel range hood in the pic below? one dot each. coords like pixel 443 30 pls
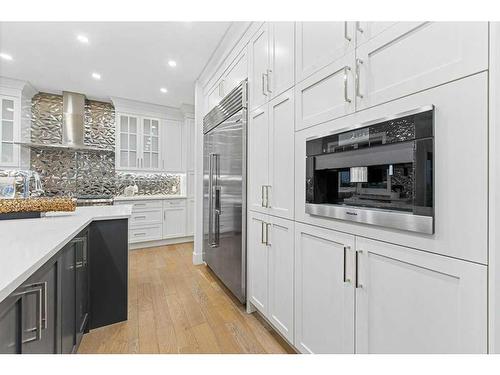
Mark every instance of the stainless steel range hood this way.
pixel 73 126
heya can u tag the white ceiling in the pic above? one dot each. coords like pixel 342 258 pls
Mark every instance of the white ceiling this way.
pixel 130 56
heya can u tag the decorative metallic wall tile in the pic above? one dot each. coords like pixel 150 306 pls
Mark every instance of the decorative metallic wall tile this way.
pixel 149 183
pixel 79 173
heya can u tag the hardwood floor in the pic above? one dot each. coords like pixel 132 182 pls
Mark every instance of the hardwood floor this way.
pixel 176 307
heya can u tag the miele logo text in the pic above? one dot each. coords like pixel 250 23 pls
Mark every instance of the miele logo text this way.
pixel 352 213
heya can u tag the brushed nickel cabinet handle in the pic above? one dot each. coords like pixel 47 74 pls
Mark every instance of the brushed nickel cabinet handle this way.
pixel 346 94
pixel 345 279
pixel 359 62
pixel 357 283
pixel 36 289
pixel 359 28
pixel 268 75
pixel 346 35
pixel 268 225
pixel 263 84
pixel 262 240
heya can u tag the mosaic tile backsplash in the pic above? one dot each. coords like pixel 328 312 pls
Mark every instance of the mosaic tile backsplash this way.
pixel 86 173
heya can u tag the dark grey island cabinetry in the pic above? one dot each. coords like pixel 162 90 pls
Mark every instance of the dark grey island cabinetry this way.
pixel 81 287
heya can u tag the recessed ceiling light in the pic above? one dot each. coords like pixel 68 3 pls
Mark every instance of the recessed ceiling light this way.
pixel 82 39
pixel 164 90
pixel 10 109
pixel 172 63
pixel 5 56
pixel 96 76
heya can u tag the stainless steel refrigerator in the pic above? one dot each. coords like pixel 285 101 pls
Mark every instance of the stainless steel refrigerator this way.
pixel 224 190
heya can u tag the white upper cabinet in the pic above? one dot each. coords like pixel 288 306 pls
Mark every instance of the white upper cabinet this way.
pixel 321 43
pixel 237 72
pixel 280 193
pixel 10 113
pixel 259 67
pixel 412 56
pixel 150 144
pixel 270 151
pixel 214 96
pixel 409 301
pixel 324 290
pixel 127 142
pixel 327 94
pixel 174 146
pixel 258 158
pixel 281 74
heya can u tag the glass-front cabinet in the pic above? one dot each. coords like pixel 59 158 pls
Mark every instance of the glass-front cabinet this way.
pixel 137 143
pixel 8 125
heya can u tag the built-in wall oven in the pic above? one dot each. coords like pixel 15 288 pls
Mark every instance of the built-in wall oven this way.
pixel 379 172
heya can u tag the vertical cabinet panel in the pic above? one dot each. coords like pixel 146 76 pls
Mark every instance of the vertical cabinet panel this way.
pixel 258 278
pixel 127 142
pixel 10 123
pixel 282 57
pixel 319 44
pixel 324 291
pixel 10 338
pixel 173 159
pixel 259 66
pixel 390 65
pixel 281 260
pixel 174 223
pixel 327 94
pixel 281 155
pixel 258 158
pixel 415 302
pixel 237 72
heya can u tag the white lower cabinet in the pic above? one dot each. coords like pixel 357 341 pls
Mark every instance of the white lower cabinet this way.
pixel 410 301
pixel 174 218
pixel 271 273
pixel 324 290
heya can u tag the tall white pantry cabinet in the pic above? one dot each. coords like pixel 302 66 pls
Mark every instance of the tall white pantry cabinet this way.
pixel 329 286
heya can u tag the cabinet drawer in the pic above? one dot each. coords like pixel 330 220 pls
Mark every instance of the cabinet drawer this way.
pixel 146 217
pixel 142 205
pixel 174 203
pixel 148 233
pixel 413 56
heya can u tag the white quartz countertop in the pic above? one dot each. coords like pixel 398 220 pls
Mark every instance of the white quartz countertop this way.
pixel 27 244
pixel 148 197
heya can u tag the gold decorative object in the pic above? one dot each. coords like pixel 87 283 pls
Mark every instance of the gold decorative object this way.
pixel 37 205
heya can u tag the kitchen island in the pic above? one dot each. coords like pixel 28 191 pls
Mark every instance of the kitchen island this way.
pixel 60 276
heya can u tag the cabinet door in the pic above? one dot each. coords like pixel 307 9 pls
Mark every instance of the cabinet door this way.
pixel 324 290
pixel 68 301
pixel 257 262
pixel 173 160
pixel 281 153
pixel 259 67
pixel 370 29
pixel 413 56
pixel 214 96
pixel 31 319
pixel 327 94
pixel 237 72
pixel 411 301
pixel 190 131
pixel 150 144
pixel 319 44
pixel 127 142
pixel 9 130
pixel 174 224
pixel 10 337
pixel 282 57
pixel 258 158
pixel 281 255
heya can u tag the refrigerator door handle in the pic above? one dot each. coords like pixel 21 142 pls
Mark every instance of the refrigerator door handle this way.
pixel 214 201
pixel 210 200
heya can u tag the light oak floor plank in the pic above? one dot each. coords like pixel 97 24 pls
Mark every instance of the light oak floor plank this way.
pixel 177 307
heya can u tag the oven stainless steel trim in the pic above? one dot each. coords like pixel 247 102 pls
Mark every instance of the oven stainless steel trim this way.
pixel 376 121
pixel 388 219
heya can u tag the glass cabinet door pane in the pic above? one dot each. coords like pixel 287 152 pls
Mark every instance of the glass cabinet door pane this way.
pixel 133 142
pixel 133 159
pixel 147 143
pixel 124 158
pixel 7 152
pixel 124 124
pixel 155 144
pixel 133 125
pixel 154 127
pixel 147 127
pixel 123 141
pixel 7 131
pixel 147 160
pixel 154 159
pixel 7 109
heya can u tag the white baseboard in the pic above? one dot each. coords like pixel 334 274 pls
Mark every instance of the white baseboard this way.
pixel 169 241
